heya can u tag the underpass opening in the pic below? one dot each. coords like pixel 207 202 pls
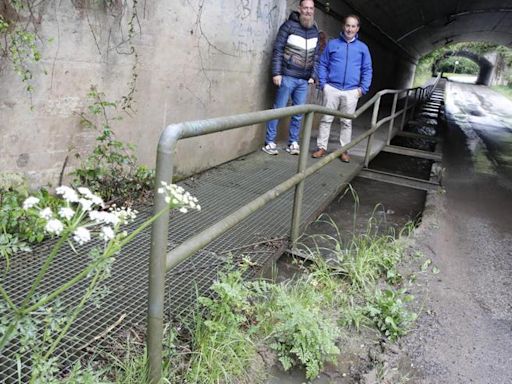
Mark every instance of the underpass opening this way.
pixel 488 62
pixel 466 62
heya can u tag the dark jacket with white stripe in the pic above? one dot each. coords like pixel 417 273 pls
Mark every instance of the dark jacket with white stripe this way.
pixel 295 49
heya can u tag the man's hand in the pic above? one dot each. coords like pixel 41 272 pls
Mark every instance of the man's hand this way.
pixel 277 80
pixel 311 81
pixel 359 92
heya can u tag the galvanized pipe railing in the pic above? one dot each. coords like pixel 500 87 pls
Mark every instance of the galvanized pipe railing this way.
pixel 161 261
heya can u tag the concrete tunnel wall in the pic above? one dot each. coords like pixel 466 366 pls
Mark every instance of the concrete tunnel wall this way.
pixel 196 60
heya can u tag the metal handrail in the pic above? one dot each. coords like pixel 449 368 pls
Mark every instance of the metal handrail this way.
pixel 161 261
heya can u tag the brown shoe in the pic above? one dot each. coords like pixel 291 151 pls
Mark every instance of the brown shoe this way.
pixel 345 157
pixel 319 153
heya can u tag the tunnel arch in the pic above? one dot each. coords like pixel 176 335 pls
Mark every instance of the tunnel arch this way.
pixel 417 27
pixel 486 66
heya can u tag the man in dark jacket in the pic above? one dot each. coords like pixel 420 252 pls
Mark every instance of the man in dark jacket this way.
pixel 344 75
pixel 293 60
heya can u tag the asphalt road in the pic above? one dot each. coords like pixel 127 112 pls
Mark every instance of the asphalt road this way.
pixel 465 335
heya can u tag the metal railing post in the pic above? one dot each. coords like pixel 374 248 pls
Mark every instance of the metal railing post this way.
pixel 299 188
pixel 392 122
pixel 160 261
pixel 375 116
pixel 415 102
pixel 405 110
pixel 159 233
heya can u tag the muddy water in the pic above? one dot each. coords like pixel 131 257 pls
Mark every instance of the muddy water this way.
pixel 389 207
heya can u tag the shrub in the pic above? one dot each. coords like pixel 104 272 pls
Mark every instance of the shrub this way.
pixel 111 169
pixel 221 343
pixel 301 331
pixel 388 312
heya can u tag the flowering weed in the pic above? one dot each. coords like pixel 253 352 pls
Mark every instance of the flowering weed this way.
pixel 78 220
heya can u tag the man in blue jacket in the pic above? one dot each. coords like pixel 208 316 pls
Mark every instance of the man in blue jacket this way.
pixel 293 61
pixel 344 75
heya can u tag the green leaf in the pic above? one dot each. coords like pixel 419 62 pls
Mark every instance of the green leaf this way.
pixel 425 265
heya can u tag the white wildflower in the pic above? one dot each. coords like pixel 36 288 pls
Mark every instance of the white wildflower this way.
pixel 46 213
pixel 107 233
pixel 54 226
pixel 30 202
pixel 86 192
pixel 102 217
pixel 66 213
pixel 86 204
pixel 177 197
pixel 125 215
pixel 81 235
pixel 67 193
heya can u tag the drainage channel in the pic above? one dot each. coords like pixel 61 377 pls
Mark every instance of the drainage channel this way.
pixel 389 206
pixel 260 237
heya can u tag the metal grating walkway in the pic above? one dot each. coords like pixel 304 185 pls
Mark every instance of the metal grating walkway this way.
pixel 220 191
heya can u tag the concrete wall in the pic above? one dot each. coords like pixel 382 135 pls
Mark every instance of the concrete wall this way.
pixel 196 59
pixel 501 73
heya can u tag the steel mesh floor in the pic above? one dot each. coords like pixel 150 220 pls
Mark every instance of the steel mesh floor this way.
pixel 220 192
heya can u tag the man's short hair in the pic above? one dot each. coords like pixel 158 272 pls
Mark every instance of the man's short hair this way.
pixel 354 17
pixel 301 1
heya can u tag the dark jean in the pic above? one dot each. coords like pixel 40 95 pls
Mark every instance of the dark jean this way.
pixel 297 89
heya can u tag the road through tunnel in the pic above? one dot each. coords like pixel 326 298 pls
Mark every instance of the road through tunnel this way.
pixel 486 67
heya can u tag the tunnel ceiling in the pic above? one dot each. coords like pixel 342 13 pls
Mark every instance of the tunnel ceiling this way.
pixel 420 26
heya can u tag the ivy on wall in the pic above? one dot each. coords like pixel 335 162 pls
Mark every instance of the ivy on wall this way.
pixel 21 44
pixel 22 47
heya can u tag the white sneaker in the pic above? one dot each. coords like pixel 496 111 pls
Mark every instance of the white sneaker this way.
pixel 270 148
pixel 293 148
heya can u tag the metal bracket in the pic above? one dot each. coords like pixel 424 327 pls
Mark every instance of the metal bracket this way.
pixel 405 181
pixel 412 152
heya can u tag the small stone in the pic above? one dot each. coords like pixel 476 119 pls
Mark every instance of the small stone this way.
pixel 392 348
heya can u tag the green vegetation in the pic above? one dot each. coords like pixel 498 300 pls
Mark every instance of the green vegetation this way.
pixel 300 330
pixel 221 343
pixel 111 169
pixel 388 312
pixel 39 320
pixel 299 322
pixel 20 228
pixel 20 47
pixel 457 64
pixel 505 90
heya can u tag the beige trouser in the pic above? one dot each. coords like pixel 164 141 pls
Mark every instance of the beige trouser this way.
pixel 344 101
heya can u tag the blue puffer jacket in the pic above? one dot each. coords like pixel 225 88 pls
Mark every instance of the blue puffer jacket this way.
pixel 295 49
pixel 345 65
